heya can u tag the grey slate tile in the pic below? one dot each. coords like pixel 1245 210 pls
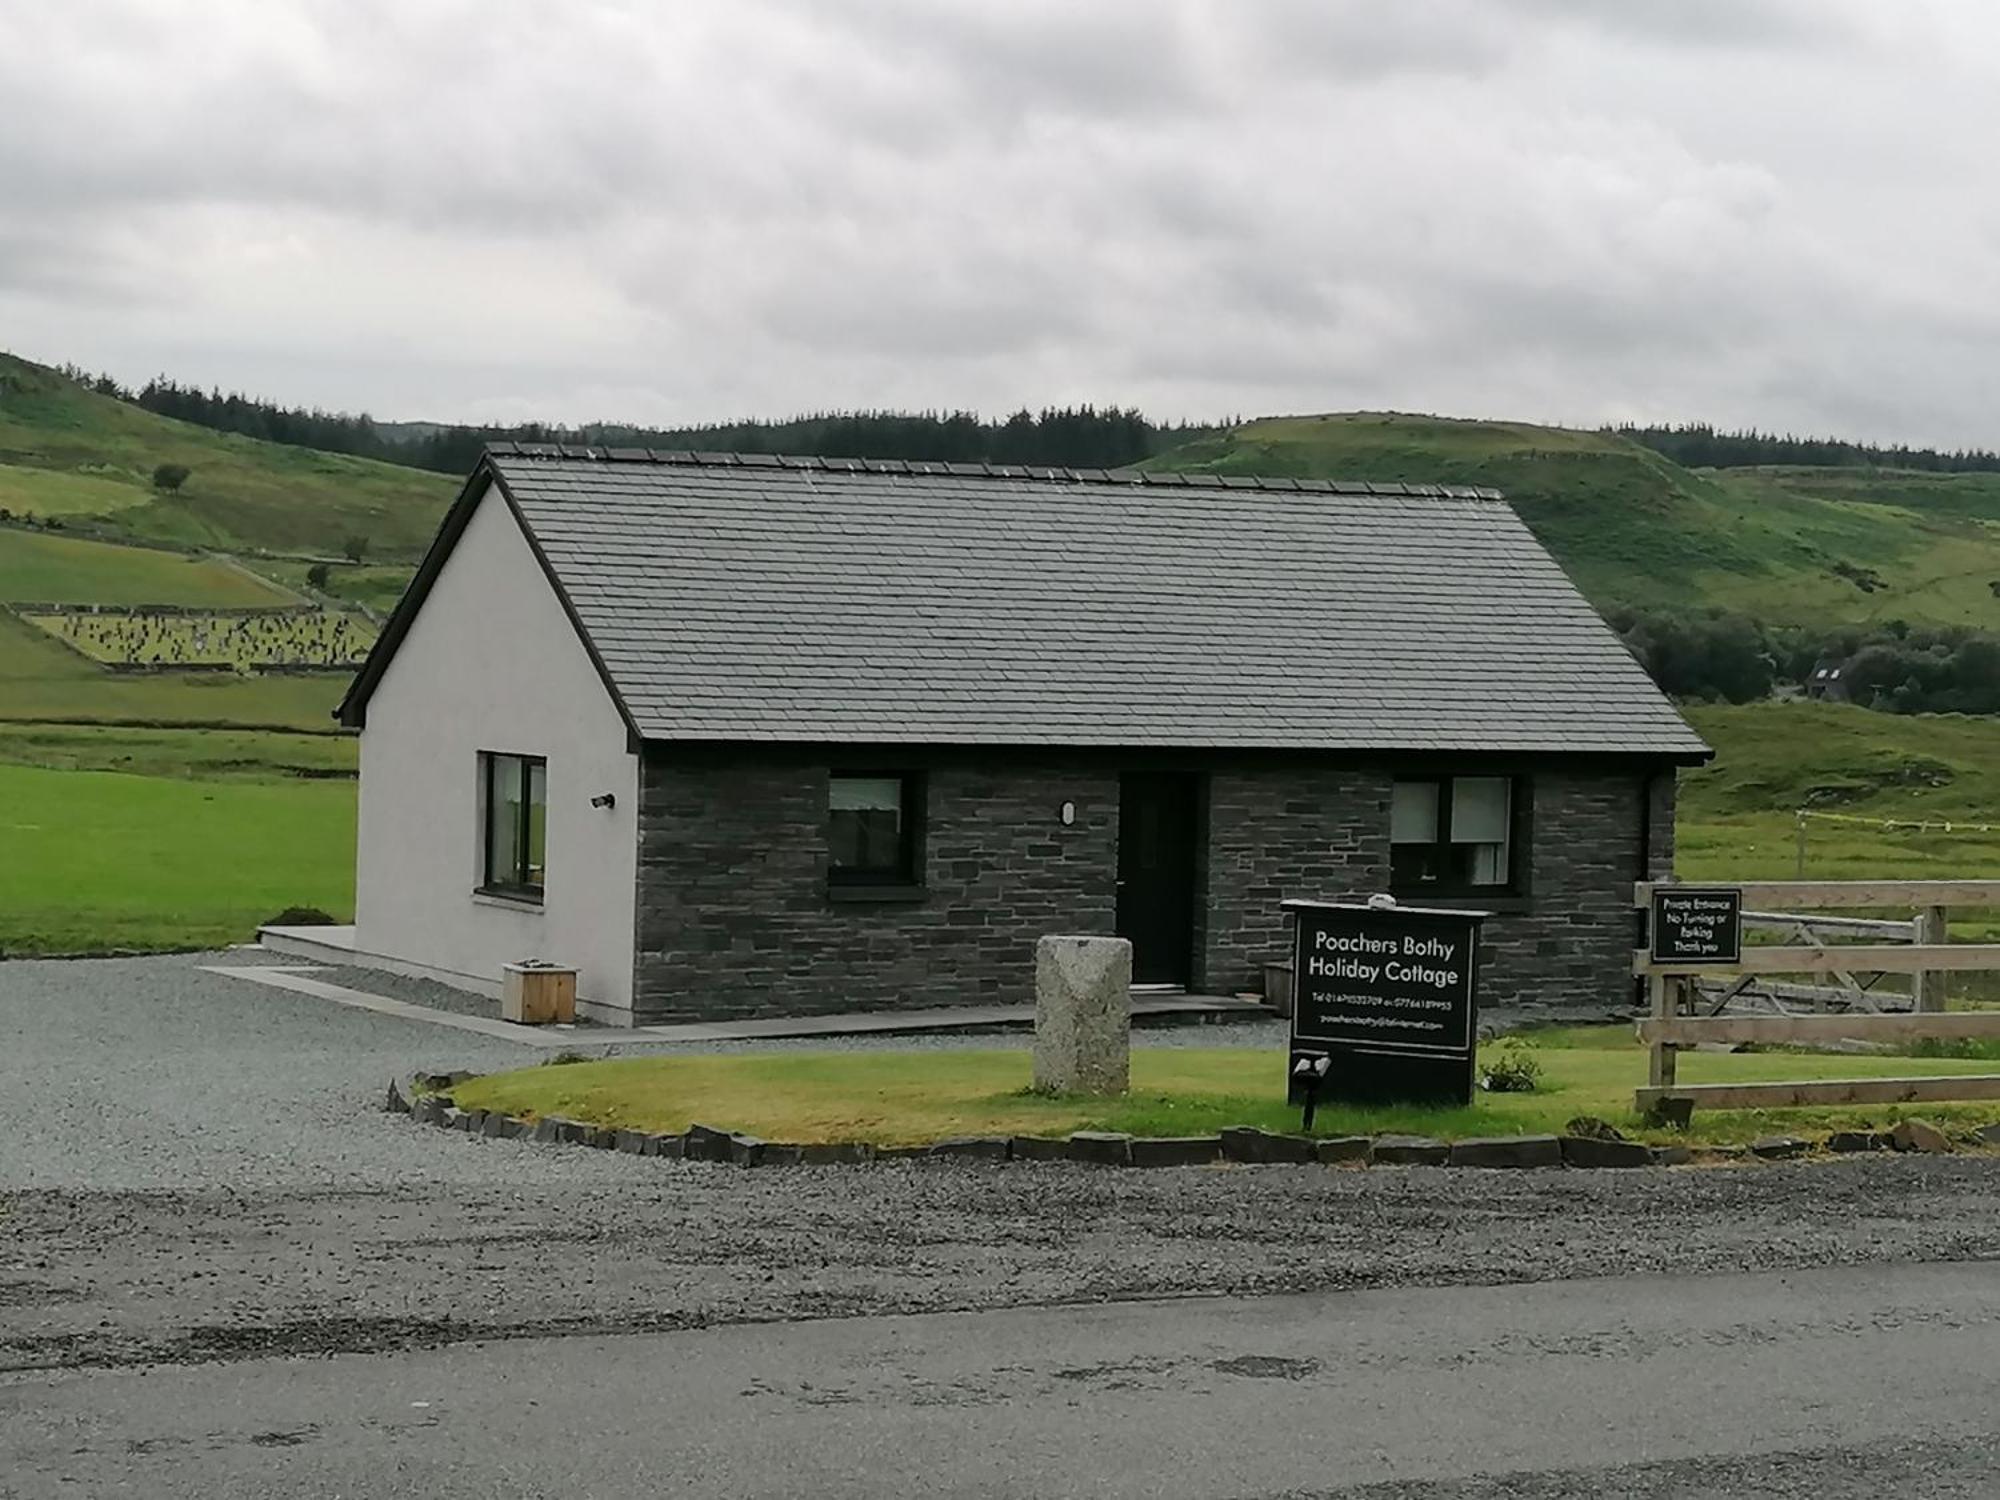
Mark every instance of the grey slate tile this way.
pixel 739 597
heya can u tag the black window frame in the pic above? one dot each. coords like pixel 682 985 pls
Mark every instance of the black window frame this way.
pixel 520 888
pixel 1519 796
pixel 907 874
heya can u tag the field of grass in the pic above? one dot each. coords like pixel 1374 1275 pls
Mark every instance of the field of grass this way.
pixel 293 638
pixel 38 567
pixel 42 680
pixel 202 754
pixel 99 861
pixel 241 495
pixel 40 493
pixel 1634 528
pixel 369 585
pixel 894 1098
pixel 1856 771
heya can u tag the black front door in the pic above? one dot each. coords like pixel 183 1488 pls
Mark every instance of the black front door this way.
pixel 1159 814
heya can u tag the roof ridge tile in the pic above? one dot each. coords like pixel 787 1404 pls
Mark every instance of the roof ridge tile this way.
pixel 938 468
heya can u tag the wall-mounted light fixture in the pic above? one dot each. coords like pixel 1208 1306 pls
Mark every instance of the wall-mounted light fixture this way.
pixel 1067 813
pixel 604 799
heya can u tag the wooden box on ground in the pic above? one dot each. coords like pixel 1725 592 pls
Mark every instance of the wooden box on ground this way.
pixel 536 994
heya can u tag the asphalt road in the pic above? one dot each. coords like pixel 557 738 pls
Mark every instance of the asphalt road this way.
pixel 220 1263
pixel 1837 1383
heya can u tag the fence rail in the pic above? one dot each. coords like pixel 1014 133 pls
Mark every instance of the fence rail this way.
pixel 1925 953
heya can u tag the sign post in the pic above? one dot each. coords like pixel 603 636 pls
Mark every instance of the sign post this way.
pixel 1385 1002
pixel 1696 925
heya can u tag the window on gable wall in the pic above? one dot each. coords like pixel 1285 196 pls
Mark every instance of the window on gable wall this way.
pixel 514 797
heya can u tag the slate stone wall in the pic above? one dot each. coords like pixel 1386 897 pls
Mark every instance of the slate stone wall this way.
pixel 1565 945
pixel 1277 832
pixel 1571 950
pixel 735 918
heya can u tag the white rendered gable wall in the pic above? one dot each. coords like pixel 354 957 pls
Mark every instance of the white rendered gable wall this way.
pixel 492 662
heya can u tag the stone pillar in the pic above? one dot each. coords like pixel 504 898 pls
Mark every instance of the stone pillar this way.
pixel 1083 1015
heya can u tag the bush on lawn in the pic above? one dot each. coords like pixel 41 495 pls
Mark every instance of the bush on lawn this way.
pixel 1511 1068
pixel 301 916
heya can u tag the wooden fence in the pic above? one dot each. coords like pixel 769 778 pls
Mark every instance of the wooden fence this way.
pixel 1923 951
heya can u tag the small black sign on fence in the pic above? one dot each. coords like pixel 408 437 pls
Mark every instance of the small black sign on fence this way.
pixel 1692 925
pixel 1385 1002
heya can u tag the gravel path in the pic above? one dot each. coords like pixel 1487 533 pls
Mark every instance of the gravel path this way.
pixel 195 1168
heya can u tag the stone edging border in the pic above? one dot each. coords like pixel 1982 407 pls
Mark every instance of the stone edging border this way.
pixel 1242 1144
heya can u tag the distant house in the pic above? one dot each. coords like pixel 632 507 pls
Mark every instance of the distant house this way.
pixel 745 735
pixel 1827 680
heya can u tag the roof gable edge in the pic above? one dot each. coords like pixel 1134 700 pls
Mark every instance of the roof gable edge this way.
pixel 353 710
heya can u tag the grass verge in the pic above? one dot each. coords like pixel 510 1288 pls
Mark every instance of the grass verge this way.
pixel 901 1098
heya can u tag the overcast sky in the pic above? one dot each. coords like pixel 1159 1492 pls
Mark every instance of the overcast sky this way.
pixel 1779 212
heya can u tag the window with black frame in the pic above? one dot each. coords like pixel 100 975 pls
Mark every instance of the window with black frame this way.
pixel 1453 835
pixel 872 828
pixel 514 791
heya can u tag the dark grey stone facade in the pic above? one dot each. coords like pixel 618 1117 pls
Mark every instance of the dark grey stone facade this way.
pixel 735 917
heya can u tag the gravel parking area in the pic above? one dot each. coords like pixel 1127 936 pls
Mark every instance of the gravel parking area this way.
pixel 197 1168
pixel 148 1074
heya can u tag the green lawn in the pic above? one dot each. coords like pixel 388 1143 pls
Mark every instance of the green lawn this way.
pixel 99 861
pixel 893 1098
pixel 38 567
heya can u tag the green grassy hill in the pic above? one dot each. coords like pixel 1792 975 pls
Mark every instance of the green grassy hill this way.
pixel 83 463
pixel 1795 546
pixel 1887 796
pixel 89 459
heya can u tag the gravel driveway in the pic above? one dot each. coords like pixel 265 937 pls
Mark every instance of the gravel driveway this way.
pixel 195 1168
pixel 147 1074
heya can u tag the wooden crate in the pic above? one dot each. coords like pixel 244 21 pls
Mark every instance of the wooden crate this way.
pixel 538 994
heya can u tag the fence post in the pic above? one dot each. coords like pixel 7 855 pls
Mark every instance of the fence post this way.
pixel 1660 1068
pixel 1927 985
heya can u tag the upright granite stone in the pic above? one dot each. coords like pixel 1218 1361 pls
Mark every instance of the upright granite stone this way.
pixel 1083 1015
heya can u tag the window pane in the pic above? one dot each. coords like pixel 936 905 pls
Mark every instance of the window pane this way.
pixel 503 819
pixel 866 794
pixel 1479 828
pixel 1479 810
pixel 538 821
pixel 1413 813
pixel 865 823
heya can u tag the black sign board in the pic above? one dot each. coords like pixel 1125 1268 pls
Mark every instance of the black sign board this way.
pixel 1388 996
pixel 1695 926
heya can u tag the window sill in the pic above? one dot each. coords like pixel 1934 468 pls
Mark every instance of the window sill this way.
pixel 878 895
pixel 507 900
pixel 1500 902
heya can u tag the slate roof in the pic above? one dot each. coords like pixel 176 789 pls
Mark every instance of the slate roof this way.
pixel 840 601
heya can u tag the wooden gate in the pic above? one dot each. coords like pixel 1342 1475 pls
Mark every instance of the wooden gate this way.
pixel 1836 971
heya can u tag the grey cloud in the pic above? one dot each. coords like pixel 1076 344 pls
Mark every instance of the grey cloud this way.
pixel 1530 207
